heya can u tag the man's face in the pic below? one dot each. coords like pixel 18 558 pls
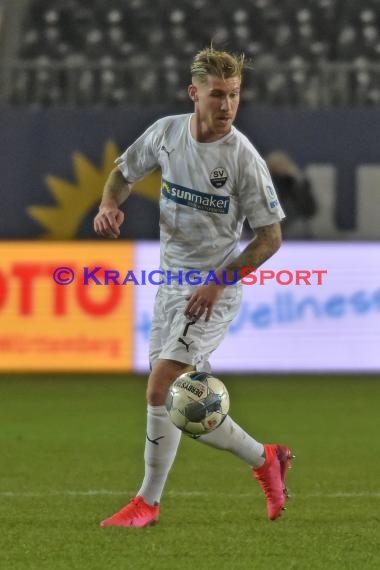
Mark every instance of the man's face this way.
pixel 216 103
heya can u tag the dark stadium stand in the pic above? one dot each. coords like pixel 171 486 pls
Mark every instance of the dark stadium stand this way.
pixel 305 52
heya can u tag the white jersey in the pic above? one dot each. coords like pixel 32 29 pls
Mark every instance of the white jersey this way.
pixel 207 190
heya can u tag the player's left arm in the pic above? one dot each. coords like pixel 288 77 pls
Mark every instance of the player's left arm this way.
pixel 259 250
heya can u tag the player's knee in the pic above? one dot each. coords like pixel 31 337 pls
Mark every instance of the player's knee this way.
pixel 156 395
pixel 164 372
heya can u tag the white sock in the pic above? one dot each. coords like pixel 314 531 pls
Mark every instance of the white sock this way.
pixel 161 446
pixel 231 437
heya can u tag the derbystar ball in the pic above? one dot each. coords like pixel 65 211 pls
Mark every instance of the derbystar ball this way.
pixel 197 402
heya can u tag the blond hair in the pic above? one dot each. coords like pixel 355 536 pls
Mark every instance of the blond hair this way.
pixel 210 61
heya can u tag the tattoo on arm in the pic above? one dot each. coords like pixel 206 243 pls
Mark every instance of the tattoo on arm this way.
pixel 266 243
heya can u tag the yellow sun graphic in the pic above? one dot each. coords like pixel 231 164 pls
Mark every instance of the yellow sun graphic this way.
pixel 75 201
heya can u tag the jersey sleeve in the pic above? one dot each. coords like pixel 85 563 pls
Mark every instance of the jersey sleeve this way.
pixel 257 194
pixel 142 156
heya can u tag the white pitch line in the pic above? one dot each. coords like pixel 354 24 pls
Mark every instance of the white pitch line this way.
pixel 179 494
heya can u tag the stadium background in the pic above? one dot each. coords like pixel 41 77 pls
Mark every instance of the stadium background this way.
pixel 79 80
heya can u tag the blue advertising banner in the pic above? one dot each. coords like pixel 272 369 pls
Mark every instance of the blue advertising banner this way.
pixel 54 164
pixel 304 310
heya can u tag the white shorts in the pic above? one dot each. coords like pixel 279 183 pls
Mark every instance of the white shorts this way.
pixel 176 337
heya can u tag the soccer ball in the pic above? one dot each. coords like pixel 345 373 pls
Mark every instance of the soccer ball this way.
pixel 197 402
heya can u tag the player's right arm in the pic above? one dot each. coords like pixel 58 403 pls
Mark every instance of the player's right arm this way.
pixel 108 220
pixel 138 160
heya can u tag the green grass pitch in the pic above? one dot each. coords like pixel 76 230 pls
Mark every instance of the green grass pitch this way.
pixel 72 453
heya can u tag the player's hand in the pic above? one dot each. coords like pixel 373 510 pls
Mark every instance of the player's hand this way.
pixel 202 301
pixel 108 221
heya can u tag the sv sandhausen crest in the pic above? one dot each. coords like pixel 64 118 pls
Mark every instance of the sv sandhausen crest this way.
pixel 218 177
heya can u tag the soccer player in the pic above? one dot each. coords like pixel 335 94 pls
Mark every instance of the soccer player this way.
pixel 212 179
